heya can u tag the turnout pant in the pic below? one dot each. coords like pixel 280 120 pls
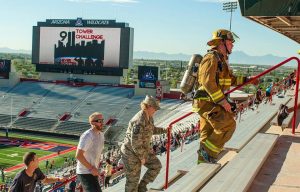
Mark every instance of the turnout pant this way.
pixel 216 127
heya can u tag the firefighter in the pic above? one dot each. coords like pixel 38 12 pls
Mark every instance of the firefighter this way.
pixel 217 122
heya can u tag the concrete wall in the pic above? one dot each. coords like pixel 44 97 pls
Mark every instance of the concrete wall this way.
pixel 12 81
pixel 143 91
pixel 46 76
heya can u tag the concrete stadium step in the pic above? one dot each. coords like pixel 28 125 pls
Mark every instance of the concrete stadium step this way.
pixel 195 178
pixel 239 173
pixel 179 161
pixel 253 122
pixel 179 164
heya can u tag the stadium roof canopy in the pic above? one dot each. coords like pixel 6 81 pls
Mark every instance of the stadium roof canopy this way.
pixel 282 16
pixel 286 25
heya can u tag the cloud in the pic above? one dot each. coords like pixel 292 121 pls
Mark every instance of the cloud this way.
pixel 105 1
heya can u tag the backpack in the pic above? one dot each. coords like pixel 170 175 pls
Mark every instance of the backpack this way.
pixel 282 114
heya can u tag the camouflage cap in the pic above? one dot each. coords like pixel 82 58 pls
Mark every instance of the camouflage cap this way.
pixel 149 100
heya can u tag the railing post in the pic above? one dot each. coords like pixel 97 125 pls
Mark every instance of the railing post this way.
pixel 168 155
pixel 296 99
pixel 169 145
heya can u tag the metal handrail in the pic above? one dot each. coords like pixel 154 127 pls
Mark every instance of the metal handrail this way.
pixel 63 183
pixel 271 69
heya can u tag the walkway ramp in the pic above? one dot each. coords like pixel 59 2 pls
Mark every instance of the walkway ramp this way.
pixel 252 122
pixel 239 173
pixel 179 162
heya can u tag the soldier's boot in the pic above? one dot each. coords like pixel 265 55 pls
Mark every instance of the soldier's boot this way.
pixel 142 186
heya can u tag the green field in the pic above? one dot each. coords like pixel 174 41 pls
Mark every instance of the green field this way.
pixel 11 155
pixel 41 137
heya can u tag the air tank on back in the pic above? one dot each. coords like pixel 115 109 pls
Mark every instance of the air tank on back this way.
pixel 190 75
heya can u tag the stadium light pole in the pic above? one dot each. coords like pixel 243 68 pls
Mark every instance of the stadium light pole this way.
pixel 230 7
pixel 11 105
pixel 166 70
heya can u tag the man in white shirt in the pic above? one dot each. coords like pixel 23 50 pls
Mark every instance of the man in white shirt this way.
pixel 88 154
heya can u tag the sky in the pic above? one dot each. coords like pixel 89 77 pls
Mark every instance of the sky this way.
pixel 169 26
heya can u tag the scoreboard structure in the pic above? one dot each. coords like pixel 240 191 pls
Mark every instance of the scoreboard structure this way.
pixel 147 76
pixel 4 68
pixel 98 47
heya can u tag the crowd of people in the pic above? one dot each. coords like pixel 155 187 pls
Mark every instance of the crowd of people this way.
pixel 278 88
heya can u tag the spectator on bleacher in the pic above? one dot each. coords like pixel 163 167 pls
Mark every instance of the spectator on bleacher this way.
pixel 154 147
pixel 52 164
pixel 293 79
pixel 269 93
pixel 258 97
pixel 73 161
pixel 26 180
pixel 2 175
pixel 283 113
pixel 108 154
pixel 89 149
pixel 162 147
pixel 47 163
pixel 120 163
pixel 66 162
pixel 108 173
pixel 71 186
pixel 136 150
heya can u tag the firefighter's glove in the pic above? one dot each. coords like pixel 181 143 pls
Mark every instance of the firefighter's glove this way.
pixel 225 105
pixel 232 104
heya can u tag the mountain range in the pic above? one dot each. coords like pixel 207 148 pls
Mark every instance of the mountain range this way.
pixel 237 57
pixel 9 50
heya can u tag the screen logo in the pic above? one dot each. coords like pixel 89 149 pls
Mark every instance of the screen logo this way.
pixel 79 22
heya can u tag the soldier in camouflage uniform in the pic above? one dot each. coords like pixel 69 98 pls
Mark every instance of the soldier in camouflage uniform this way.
pixel 136 150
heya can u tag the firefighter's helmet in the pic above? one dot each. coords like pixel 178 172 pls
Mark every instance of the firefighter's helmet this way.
pixel 222 34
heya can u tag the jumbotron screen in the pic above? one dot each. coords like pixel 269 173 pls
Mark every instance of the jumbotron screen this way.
pixel 79 46
pixel 147 75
